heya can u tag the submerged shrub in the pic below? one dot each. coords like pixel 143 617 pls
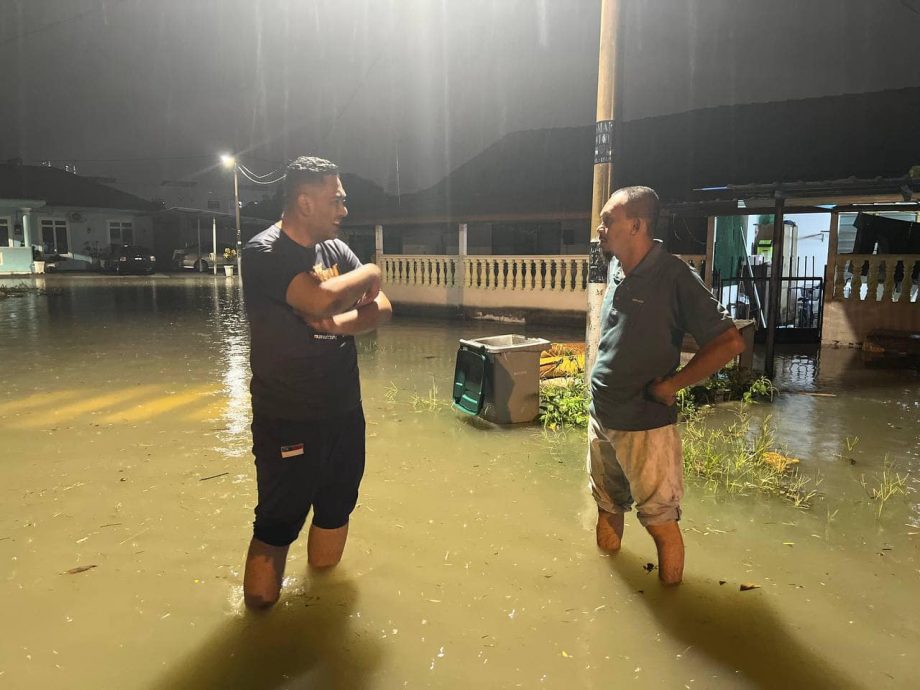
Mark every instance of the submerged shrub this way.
pixel 564 405
pixel 740 460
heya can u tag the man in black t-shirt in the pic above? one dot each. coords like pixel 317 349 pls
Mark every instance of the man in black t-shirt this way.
pixel 307 295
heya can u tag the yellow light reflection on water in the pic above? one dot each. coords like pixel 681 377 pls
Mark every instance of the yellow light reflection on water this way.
pixel 157 406
pixel 36 400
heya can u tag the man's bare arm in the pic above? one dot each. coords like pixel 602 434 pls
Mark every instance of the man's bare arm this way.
pixel 320 300
pixel 711 357
pixel 364 319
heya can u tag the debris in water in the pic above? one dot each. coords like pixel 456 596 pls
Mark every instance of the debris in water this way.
pixel 79 569
pixel 213 476
pixel 779 461
pixel 748 586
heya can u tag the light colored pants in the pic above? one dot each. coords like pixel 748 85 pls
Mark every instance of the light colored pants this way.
pixel 641 466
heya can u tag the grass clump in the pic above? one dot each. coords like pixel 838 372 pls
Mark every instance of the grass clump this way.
pixel 889 484
pixel 740 460
pixel 21 290
pixel 564 405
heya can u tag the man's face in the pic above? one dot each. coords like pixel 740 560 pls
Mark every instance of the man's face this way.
pixel 327 207
pixel 615 232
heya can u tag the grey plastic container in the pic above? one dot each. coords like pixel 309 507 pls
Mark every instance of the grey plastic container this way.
pixel 512 387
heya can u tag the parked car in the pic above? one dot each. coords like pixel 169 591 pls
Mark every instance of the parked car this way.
pixel 132 259
pixel 189 259
pixel 55 263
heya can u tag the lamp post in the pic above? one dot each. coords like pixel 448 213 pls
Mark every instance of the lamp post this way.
pixel 230 162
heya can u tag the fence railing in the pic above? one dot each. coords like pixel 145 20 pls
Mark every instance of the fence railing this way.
pixel 553 273
pixel 876 278
pixel 544 273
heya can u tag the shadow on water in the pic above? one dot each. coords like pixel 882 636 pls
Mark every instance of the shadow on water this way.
pixel 306 641
pixel 737 630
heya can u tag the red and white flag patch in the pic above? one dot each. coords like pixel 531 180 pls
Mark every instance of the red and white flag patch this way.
pixel 292 451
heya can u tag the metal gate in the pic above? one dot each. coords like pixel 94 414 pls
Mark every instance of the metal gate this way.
pixel 801 302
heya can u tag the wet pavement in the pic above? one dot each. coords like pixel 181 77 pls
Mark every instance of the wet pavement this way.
pixel 128 490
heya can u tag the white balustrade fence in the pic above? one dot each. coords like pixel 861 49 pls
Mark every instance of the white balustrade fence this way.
pixel 876 278
pixel 541 273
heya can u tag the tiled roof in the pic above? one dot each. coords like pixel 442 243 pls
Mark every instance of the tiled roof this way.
pixel 60 188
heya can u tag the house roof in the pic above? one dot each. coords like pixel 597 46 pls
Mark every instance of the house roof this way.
pixel 60 188
pixel 531 173
pixel 843 146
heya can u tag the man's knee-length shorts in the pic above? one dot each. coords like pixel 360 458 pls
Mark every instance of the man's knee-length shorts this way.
pixel 645 467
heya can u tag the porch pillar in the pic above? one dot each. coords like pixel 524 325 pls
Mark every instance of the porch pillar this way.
pixel 26 227
pixel 831 256
pixel 776 276
pixel 710 250
pixel 378 243
pixel 460 277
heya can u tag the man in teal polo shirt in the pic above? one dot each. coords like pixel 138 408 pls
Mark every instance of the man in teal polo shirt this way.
pixel 634 452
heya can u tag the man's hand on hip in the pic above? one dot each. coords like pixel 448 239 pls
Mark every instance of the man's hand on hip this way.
pixel 662 390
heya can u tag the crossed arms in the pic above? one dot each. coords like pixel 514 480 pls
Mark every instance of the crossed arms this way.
pixel 348 304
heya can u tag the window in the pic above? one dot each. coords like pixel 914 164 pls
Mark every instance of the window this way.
pixel 121 232
pixel 5 239
pixel 54 236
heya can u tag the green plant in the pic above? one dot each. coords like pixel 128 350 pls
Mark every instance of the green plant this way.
pixel 565 404
pixel 889 484
pixel 739 460
pixel 390 392
pixel 686 404
pixel 733 383
pixel 429 402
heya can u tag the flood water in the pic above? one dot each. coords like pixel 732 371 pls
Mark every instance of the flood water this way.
pixel 471 562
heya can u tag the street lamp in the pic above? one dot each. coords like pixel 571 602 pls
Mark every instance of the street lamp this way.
pixel 229 161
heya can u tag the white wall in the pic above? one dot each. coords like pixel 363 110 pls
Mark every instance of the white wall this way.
pixel 88 229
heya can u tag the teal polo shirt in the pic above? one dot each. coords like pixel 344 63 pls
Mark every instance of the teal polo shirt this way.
pixel 643 321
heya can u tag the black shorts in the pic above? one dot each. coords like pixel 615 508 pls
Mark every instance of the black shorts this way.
pixel 304 464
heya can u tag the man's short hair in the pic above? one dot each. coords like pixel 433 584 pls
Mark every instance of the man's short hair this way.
pixel 306 170
pixel 642 202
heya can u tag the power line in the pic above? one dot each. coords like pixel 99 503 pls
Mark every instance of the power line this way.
pixel 252 179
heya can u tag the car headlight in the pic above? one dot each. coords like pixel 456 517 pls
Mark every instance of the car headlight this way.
pixel 122 258
pixel 153 258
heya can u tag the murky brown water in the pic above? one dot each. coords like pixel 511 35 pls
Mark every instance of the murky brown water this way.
pixel 471 563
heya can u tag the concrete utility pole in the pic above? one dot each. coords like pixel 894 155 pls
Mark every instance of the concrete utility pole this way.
pixel 236 208
pixel 603 173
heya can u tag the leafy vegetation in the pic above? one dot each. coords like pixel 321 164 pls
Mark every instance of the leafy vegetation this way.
pixel 740 460
pixel 564 405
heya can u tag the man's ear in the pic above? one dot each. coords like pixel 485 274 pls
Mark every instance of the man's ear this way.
pixel 305 204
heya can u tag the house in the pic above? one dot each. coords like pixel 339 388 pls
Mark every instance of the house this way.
pixel 46 212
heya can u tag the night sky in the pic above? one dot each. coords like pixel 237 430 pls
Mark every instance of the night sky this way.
pixel 144 90
pixel 400 92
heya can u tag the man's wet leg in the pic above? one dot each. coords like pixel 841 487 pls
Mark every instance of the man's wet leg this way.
pixel 609 530
pixel 264 572
pixel 326 546
pixel 670 545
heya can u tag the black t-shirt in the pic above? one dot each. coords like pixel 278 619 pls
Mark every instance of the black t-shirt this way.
pixel 297 373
